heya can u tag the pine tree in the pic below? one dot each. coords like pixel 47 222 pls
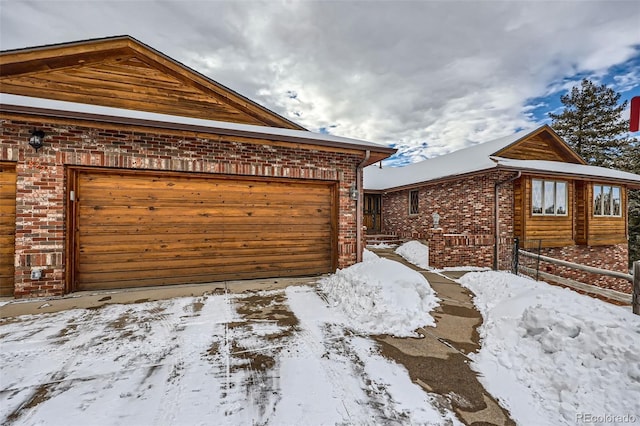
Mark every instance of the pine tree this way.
pixel 592 123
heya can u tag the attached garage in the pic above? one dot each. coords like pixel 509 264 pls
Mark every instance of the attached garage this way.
pixel 7 227
pixel 145 229
pixel 129 169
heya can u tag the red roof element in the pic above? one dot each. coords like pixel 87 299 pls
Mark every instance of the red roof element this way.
pixel 634 122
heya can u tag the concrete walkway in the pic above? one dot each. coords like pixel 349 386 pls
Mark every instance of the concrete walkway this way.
pixel 439 362
pixel 96 299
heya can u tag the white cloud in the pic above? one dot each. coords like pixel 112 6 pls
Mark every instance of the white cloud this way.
pixel 445 73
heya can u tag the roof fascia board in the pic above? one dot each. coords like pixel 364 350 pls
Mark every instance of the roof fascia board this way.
pixel 575 176
pixel 498 167
pixel 435 181
pixel 82 116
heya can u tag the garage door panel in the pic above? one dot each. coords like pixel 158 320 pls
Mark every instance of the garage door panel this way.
pixel 181 251
pixel 138 230
pixel 7 228
pixel 186 264
pixel 140 187
pixel 120 196
pixel 99 240
pixel 206 215
pixel 223 275
pixel 217 222
pixel 142 248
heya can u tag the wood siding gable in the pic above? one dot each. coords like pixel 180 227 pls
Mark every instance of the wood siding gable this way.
pixel 543 144
pixel 122 72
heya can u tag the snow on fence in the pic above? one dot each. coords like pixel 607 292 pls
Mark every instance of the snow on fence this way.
pixel 634 298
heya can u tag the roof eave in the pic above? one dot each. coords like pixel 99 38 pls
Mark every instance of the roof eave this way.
pixel 432 181
pixel 629 183
pixel 382 152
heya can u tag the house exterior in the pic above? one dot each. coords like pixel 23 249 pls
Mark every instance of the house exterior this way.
pixel 153 174
pixel 530 185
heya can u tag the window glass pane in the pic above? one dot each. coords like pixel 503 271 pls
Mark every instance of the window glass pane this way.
pixel 536 197
pixel 561 198
pixel 617 204
pixel 549 198
pixel 606 200
pixel 597 199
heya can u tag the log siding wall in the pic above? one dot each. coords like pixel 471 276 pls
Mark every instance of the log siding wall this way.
pixel 41 187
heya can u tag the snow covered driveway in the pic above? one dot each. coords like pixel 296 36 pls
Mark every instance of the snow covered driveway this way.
pixel 278 357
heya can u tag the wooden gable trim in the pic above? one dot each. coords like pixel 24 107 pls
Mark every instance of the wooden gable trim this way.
pixel 18 66
pixel 524 149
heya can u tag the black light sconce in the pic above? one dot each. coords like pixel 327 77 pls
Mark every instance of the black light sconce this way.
pixel 37 139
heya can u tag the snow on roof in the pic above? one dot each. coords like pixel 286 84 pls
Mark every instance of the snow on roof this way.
pixel 463 161
pixel 25 101
pixel 568 169
pixel 478 158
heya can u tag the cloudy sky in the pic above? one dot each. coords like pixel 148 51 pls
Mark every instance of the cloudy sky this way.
pixel 428 77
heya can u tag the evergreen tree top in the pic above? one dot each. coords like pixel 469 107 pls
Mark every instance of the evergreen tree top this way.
pixel 592 124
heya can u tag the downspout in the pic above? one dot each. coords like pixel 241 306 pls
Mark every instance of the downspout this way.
pixel 359 206
pixel 497 218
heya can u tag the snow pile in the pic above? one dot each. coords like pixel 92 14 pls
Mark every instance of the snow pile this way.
pixel 553 356
pixel 416 253
pixel 381 296
pixel 368 255
pixel 382 246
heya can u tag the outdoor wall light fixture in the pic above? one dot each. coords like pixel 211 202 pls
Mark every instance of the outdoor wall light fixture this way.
pixel 353 192
pixel 436 220
pixel 37 139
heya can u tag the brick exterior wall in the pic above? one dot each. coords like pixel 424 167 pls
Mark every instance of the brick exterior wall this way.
pixel 612 257
pixel 466 235
pixel 41 187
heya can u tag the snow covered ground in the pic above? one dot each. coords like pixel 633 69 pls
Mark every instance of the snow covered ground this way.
pixel 553 356
pixel 303 356
pixel 279 358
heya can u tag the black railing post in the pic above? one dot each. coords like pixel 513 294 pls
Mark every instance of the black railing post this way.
pixel 516 254
pixel 538 261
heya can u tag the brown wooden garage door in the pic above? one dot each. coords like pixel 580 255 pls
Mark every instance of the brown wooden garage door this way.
pixel 7 228
pixel 137 230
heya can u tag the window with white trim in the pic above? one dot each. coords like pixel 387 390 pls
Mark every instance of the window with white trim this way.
pixel 549 197
pixel 607 200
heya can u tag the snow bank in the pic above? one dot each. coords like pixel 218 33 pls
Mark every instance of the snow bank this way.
pixel 380 296
pixel 382 245
pixel 416 253
pixel 553 356
pixel 369 255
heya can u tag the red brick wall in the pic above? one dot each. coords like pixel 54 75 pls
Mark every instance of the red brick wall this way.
pixel 466 234
pixel 612 257
pixel 41 186
pixel 466 214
